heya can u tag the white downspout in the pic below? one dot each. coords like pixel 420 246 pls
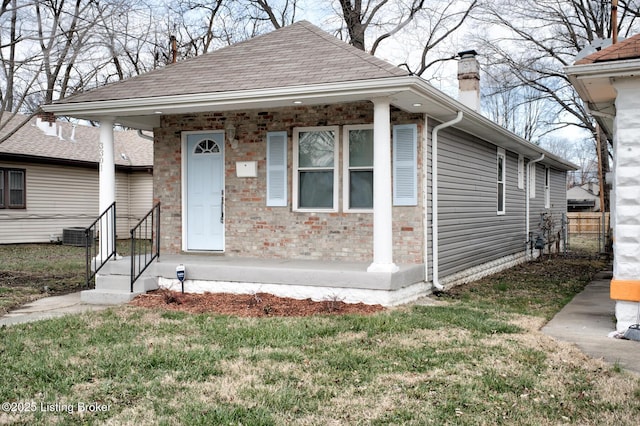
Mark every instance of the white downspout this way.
pixel 145 136
pixel 434 196
pixel 527 201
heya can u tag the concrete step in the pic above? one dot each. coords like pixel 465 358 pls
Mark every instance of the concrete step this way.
pixel 122 265
pixel 108 297
pixel 123 282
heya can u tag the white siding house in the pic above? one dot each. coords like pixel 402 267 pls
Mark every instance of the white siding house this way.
pixel 55 172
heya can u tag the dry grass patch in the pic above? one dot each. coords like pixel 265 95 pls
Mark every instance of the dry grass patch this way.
pixel 470 362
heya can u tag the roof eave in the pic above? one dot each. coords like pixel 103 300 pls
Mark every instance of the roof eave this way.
pixel 410 93
pixel 480 126
pixel 593 82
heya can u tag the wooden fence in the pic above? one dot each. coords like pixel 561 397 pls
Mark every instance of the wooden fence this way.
pixel 588 232
pixel 590 223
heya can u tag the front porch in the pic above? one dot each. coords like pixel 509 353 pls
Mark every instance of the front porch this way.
pixel 319 280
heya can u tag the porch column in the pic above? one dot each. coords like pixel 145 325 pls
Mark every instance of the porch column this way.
pixel 107 184
pixel 625 203
pixel 382 206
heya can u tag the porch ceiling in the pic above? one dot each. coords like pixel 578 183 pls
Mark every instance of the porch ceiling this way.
pixel 409 93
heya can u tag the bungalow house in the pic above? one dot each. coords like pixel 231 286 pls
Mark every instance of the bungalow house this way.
pixel 295 164
pixel 608 81
pixel 49 180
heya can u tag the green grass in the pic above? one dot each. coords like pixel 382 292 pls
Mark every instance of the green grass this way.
pixel 477 358
pixel 31 271
pixel 538 288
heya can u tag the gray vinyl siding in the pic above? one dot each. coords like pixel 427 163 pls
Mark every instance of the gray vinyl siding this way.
pixel 470 230
pixel 558 193
pixel 62 196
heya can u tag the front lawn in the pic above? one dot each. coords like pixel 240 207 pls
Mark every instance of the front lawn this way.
pixel 477 357
pixel 32 271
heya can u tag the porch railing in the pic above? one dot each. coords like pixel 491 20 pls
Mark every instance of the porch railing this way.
pixel 145 243
pixel 100 242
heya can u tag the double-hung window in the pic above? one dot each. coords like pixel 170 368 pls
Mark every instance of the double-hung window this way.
pixel 12 189
pixel 358 168
pixel 315 182
pixel 501 168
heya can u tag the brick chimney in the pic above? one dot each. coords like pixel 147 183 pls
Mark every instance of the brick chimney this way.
pixel 46 121
pixel 469 79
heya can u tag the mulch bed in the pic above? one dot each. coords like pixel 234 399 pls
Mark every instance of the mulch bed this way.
pixel 248 305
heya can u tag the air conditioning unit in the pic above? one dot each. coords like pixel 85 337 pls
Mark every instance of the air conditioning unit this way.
pixel 75 236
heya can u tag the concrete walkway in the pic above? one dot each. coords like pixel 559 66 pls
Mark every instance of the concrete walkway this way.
pixel 48 307
pixel 588 319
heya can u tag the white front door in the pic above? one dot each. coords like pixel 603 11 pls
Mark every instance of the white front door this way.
pixel 205 191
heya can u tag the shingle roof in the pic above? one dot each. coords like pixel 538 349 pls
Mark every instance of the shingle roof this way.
pixel 83 147
pixel 299 54
pixel 626 49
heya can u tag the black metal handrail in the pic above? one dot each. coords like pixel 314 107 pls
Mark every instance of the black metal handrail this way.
pixel 100 242
pixel 145 243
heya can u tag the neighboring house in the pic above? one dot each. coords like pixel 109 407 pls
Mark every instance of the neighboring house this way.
pixel 304 166
pixel 608 81
pixel 584 198
pixel 49 179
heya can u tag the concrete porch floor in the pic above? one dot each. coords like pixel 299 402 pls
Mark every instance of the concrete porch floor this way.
pixel 315 279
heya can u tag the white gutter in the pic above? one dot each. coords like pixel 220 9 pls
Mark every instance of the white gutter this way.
pixel 527 201
pixel 624 68
pixel 434 196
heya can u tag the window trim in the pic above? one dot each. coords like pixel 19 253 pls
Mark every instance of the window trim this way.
pixel 5 203
pixel 532 179
pixel 296 169
pixel 346 175
pixel 521 176
pixel 2 188
pixel 547 187
pixel 501 154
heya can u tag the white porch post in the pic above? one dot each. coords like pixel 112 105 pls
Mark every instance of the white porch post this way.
pixel 382 205
pixel 107 185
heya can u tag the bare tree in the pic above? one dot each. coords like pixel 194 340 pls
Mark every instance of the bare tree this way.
pixel 20 67
pixel 62 31
pixel 516 108
pixel 131 36
pixel 50 49
pixel 277 14
pixel 197 25
pixel 383 20
pixel 359 17
pixel 535 39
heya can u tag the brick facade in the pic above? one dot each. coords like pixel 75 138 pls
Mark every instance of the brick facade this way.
pixel 252 228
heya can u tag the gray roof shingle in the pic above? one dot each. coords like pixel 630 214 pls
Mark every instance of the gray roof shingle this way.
pixel 297 55
pixel 83 147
